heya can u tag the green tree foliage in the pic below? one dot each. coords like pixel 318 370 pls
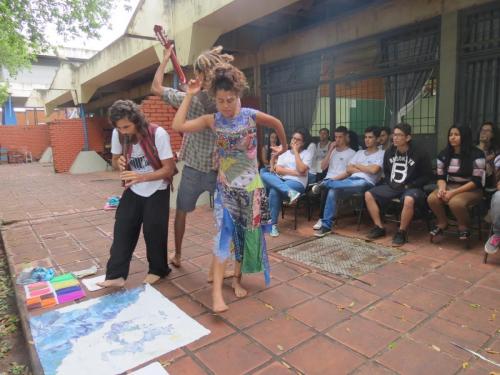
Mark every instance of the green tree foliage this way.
pixel 23 23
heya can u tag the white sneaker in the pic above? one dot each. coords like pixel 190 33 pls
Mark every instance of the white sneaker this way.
pixel 293 195
pixel 274 231
pixel 318 224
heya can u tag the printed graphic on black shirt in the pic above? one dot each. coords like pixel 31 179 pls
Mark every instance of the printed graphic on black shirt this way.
pixel 399 171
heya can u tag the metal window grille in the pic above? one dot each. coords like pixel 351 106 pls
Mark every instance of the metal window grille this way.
pixel 478 81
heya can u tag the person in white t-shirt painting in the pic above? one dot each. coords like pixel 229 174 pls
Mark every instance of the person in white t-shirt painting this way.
pixel 288 177
pixel 351 173
pixel 147 169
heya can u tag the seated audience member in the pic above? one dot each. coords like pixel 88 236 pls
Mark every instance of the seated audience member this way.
pixel 460 175
pixel 288 179
pixel 406 170
pixel 384 139
pixel 267 150
pixel 321 150
pixel 363 172
pixel 336 160
pixel 491 246
pixel 488 141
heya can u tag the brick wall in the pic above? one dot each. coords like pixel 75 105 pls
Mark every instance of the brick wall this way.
pixel 157 112
pixel 66 139
pixel 31 138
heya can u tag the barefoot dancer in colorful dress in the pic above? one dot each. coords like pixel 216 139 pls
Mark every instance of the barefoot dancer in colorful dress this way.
pixel 240 210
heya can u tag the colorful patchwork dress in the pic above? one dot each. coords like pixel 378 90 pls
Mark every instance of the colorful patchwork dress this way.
pixel 241 211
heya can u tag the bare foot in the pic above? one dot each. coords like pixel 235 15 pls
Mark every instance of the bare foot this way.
pixel 239 291
pixel 227 275
pixel 151 279
pixel 114 283
pixel 175 260
pixel 218 304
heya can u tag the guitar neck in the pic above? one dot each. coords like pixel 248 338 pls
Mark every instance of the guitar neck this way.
pixel 166 43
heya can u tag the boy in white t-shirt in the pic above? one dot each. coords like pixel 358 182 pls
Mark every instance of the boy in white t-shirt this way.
pixel 339 154
pixel 147 167
pixel 363 171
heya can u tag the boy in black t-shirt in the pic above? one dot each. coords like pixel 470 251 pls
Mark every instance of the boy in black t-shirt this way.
pixel 406 171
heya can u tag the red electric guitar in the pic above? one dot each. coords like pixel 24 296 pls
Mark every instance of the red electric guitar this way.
pixel 165 42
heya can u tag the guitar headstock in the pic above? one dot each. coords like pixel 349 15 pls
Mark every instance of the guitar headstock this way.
pixel 162 36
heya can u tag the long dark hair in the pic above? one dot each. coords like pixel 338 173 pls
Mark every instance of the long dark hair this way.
pixel 304 136
pixel 269 151
pixel 127 109
pixel 495 140
pixel 466 150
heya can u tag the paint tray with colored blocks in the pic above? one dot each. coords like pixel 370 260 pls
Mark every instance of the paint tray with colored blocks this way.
pixel 61 289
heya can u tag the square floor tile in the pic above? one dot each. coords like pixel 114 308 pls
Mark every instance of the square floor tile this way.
pixel 362 335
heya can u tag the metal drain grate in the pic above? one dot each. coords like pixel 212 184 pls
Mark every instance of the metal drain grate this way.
pixel 341 255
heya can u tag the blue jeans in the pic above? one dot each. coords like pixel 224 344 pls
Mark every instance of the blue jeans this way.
pixel 277 189
pixel 340 189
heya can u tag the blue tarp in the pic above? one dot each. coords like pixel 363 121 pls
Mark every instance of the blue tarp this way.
pixel 8 114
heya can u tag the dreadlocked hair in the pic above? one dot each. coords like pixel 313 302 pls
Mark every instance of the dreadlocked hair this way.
pixel 228 78
pixel 205 62
pixel 127 109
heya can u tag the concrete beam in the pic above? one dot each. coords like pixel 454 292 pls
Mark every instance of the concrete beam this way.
pixel 369 21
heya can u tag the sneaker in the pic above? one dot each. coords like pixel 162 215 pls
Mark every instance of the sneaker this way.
pixel 322 232
pixel 400 238
pixel 491 246
pixel 316 189
pixel 376 232
pixel 318 224
pixel 293 195
pixel 274 231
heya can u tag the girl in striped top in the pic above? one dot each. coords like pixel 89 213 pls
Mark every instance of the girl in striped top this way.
pixel 460 174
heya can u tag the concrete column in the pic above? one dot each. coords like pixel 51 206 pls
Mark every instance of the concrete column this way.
pixel 447 76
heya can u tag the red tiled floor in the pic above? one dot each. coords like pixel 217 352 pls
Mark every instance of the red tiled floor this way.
pixel 218 329
pixel 248 311
pixel 378 284
pixel 275 368
pixel 314 283
pixel 191 282
pixel 485 297
pixel 189 306
pixel 349 297
pixel 373 368
pixel 399 295
pixel 440 333
pixel 322 356
pixel 285 272
pixel 471 315
pixel 185 366
pixel 400 271
pixel 421 299
pixel 282 296
pixel 394 315
pixel 319 314
pixel 233 355
pixel 444 284
pixel 280 333
pixel 362 335
pixel 463 271
pixel 410 358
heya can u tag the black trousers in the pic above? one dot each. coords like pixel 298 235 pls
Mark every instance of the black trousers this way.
pixel 132 212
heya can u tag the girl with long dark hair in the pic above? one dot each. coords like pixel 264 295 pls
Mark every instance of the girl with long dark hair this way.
pixel 460 173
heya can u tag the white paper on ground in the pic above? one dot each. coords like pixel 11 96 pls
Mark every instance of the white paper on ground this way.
pixel 154 368
pixel 91 284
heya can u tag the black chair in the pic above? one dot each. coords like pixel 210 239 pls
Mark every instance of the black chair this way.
pixel 305 199
pixel 357 202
